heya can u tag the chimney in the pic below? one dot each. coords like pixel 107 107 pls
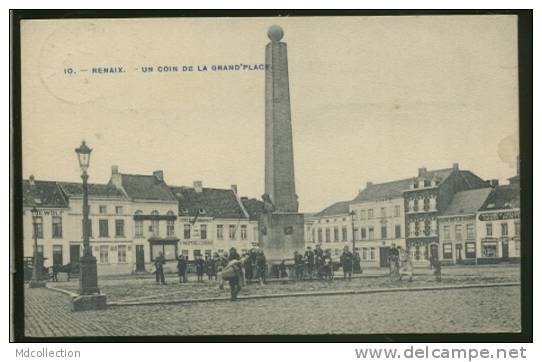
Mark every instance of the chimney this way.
pixel 198 186
pixel 31 180
pixel 116 178
pixel 455 166
pixel 369 184
pixel 422 171
pixel 159 175
pixel 234 189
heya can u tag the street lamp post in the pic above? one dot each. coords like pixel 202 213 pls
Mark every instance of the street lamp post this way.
pixel 35 282
pixel 89 293
pixel 352 214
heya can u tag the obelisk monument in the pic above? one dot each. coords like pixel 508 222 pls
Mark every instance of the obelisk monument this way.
pixel 281 226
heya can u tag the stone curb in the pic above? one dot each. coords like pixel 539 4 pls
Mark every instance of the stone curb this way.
pixel 62 291
pixel 311 294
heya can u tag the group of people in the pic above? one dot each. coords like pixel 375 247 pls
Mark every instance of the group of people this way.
pixel 400 264
pixel 318 263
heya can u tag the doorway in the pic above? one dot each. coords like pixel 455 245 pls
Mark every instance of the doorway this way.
pixel 140 258
pixel 384 253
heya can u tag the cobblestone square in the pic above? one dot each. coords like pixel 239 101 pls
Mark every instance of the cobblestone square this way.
pixel 475 310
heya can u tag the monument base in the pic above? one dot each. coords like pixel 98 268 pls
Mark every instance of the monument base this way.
pixel 89 302
pixel 281 234
pixel 36 284
pixel 88 275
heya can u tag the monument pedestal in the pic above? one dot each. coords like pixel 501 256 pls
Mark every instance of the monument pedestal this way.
pixel 89 302
pixel 282 233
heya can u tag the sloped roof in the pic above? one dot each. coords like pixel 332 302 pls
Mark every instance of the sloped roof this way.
pixel 467 202
pixel 98 190
pixel 218 203
pixel 338 208
pixel 146 187
pixel 383 191
pixel 472 180
pixel 43 194
pixel 503 197
pixel 254 207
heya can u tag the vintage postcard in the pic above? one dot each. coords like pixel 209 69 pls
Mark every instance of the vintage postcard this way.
pixel 262 176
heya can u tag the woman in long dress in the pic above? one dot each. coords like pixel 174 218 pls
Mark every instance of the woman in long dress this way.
pixel 406 265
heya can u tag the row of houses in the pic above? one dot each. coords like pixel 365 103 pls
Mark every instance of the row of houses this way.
pixel 450 212
pixel 135 217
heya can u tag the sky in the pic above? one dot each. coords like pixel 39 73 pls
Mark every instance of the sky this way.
pixel 372 99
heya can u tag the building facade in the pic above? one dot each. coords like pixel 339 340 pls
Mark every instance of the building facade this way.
pixel 498 225
pixel 428 195
pixel 379 221
pixel 133 218
pixel 457 227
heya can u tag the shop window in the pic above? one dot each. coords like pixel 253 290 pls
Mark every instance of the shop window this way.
pixel 470 250
pixel 489 250
pixel 168 249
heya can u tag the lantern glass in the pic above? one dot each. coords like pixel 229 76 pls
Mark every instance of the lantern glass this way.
pixel 83 153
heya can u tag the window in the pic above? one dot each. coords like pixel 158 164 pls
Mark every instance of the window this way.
pixel 504 229
pixel 155 224
pixel 168 249
pixel 489 229
pixel 138 224
pixel 382 212
pixel 415 204
pixel 417 252
pixel 231 231
pixel 328 235
pixel 458 232
pixel 187 231
pixel 243 232
pixel 104 228
pixel 121 254
pixel 470 231
pixel 426 204
pixel 397 210
pixel 103 209
pixel 320 235
pixel 57 255
pixel 57 226
pixel 470 250
pixel 370 213
pixel 185 253
pixel 489 250
pixel 517 227
pixel 364 253
pixel 203 231
pixel 208 253
pixel 355 236
pixel 335 233
pixel 40 250
pixel 344 233
pixel 38 228
pixel 170 224
pixel 220 232
pixel 447 251
pixel 362 214
pixel 371 233
pixel 119 228
pixel 446 231
pixel 118 210
pixel 196 253
pixel 397 231
pixel 384 232
pixel 373 256
pixel 363 233
pixel 104 253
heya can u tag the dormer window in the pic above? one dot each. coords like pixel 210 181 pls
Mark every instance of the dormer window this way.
pixel 202 212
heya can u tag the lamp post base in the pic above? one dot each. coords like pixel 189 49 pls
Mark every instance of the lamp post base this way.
pixel 36 284
pixel 88 277
pixel 89 302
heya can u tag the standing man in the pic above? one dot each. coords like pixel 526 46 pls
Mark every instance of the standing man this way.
pixel 159 266
pixel 347 260
pixel 319 261
pixel 309 262
pixel 261 266
pixel 181 268
pixel 200 265
pixel 298 265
